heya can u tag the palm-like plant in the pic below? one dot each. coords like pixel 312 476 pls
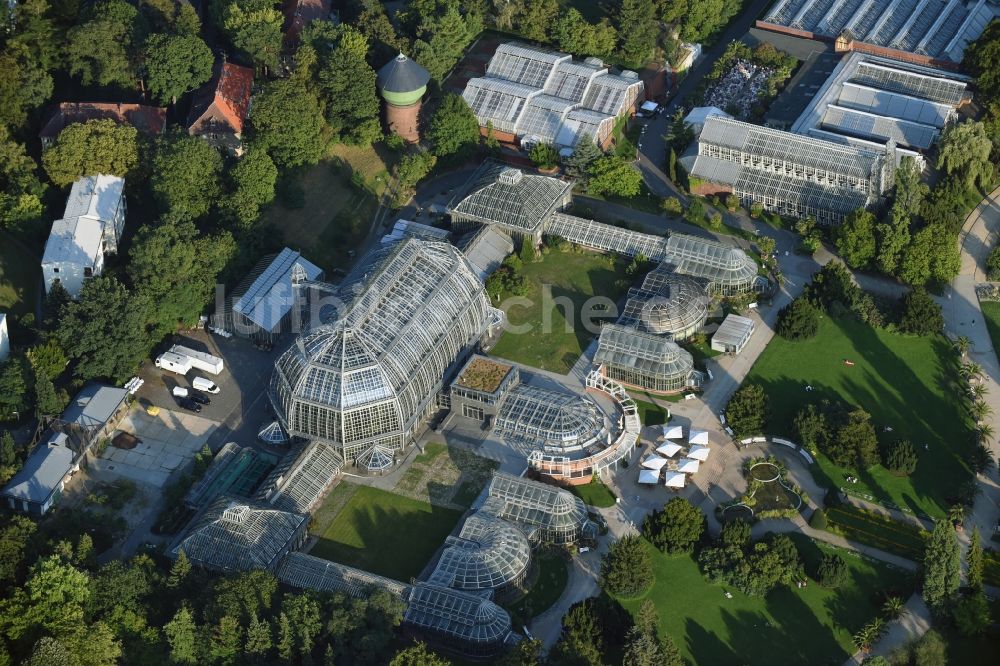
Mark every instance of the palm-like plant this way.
pixel 978 391
pixel 962 344
pixel 956 514
pixel 893 607
pixel 870 633
pixel 972 370
pixel 985 432
pixel 980 410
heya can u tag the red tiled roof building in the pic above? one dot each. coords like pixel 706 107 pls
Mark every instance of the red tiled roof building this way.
pixel 219 109
pixel 147 119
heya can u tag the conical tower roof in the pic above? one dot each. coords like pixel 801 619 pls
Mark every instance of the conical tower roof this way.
pixel 402 75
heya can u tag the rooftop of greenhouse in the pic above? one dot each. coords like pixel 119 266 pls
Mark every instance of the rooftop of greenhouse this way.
pixel 462 616
pixel 483 374
pixel 938 29
pixel 628 347
pixel 488 553
pixel 667 303
pixel 312 573
pixel 239 535
pixel 506 196
pixel 534 504
pixel 536 418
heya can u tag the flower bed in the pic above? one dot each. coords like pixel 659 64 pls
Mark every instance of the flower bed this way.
pixel 876 530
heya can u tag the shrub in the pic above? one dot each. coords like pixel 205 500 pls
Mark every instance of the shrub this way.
pixel 756 210
pixel 735 534
pixel 993 264
pixel 528 253
pixel 695 213
pixel 676 528
pixel 901 458
pixel 627 570
pixel 798 320
pixel 544 156
pixel 672 206
pixel 732 202
pixel 715 219
pixel 832 498
pixel 832 571
pixel 818 520
pixel 747 410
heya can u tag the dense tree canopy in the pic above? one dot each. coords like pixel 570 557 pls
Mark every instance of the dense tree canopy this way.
pixel 855 238
pixel 921 315
pixel 185 181
pixel 627 569
pixel 748 410
pixel 573 34
pixel 454 129
pixel 347 87
pixel 176 64
pixel 965 150
pixel 254 27
pixel 675 528
pixel 251 186
pixel 104 47
pixel 942 566
pixel 287 122
pixel 799 320
pixel 96 146
pixel 21 191
pixel 24 84
pixel 614 176
pixel 637 29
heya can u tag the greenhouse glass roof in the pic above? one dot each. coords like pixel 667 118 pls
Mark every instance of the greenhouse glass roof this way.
pixel 478 624
pixel 652 355
pixel 236 535
pixel 535 504
pixel 312 573
pixel 570 80
pixel 716 262
pixel 376 459
pixel 666 304
pixel 524 64
pixel 498 101
pixel 508 197
pixel 408 310
pixel 532 417
pixel 488 553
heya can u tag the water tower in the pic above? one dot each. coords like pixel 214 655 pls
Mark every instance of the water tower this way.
pixel 402 83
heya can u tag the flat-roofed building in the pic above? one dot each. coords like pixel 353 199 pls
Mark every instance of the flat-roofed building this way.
pixel 39 483
pixel 733 334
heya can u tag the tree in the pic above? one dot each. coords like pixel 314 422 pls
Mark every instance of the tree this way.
pixel 347 87
pixel 798 320
pixel 892 238
pixel 251 186
pixel 179 571
pixel 974 562
pixel 921 314
pixel 680 133
pixel 226 639
pixel 832 570
pixel 627 569
pixel 259 639
pixel 982 60
pixel 286 638
pixel 179 18
pixel 418 655
pixel 413 168
pixel 581 641
pixel 638 28
pixel 52 601
pixel 286 122
pixel 965 149
pixel 185 179
pixel 748 410
pixel 577 165
pixel 695 213
pixel 942 569
pixel 21 191
pixel 85 149
pixel 454 129
pixel 818 520
pixel 855 441
pixel 573 34
pixel 672 206
pixel 676 528
pixel 105 330
pixel 16 535
pixel 901 458
pixel 176 64
pixel 182 635
pixel 855 238
pixel 245 596
pixel 972 614
pixel 443 34
pixel 930 650
pixel 909 190
pixel 305 617
pixel 14 392
pixel 254 27
pixel 536 18
pixel 48 402
pixel 615 176
pixel 24 84
pixel 103 50
pixel 642 649
pixel 544 155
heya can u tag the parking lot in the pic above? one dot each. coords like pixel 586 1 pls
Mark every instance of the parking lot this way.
pixel 242 397
pixel 167 442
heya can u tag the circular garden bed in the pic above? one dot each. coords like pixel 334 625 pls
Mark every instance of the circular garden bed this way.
pixel 765 472
pixel 737 512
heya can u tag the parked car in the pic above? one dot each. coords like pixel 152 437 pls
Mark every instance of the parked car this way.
pixel 189 404
pixel 200 398
pixel 205 385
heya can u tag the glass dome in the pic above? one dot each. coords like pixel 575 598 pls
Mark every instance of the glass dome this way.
pixel 535 418
pixel 551 514
pixel 488 554
pixel 667 304
pixel 461 621
pixel 643 359
pixel 370 374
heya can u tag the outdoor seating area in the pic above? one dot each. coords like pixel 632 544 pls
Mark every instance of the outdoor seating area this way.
pixel 672 462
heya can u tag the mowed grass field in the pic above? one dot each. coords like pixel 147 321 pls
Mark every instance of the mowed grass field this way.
pixel 379 531
pixel 904 382
pixel 991 312
pixel 810 625
pixel 555 335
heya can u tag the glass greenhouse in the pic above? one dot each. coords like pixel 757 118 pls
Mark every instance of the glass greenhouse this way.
pixel 235 535
pixel 728 270
pixel 516 202
pixel 548 513
pixel 312 573
pixel 644 360
pixel 532 418
pixel 674 306
pixel 376 459
pixel 458 621
pixel 372 374
pixel 488 554
pixel 301 477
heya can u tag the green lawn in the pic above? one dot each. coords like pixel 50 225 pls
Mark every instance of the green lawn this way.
pixel 381 532
pixel 651 414
pixel 552 576
pixel 20 276
pixel 991 311
pixel 811 625
pixel 881 532
pixel 902 381
pixel 571 278
pixel 594 493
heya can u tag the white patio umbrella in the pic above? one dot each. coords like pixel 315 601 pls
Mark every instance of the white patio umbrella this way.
pixel 675 480
pixel 654 462
pixel 688 466
pixel 673 432
pixel 698 437
pixel 699 452
pixel 669 449
pixel 649 476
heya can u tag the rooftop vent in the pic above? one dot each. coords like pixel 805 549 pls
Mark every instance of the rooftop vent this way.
pixel 510 176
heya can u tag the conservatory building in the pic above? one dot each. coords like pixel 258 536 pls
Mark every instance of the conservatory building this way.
pixel 458 621
pixel 548 514
pixel 668 304
pixel 644 360
pixel 409 313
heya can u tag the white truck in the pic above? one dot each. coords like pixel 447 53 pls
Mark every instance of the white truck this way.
pixel 201 360
pixel 174 362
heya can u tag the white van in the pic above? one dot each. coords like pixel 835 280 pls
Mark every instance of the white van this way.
pixel 201 360
pixel 173 363
pixel 202 384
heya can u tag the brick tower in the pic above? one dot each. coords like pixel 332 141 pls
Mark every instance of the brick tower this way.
pixel 402 83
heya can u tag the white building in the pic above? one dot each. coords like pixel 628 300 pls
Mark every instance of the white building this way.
pixel 4 338
pixel 91 226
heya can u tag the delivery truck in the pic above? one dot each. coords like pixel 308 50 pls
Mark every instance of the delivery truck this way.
pixel 201 360
pixel 174 362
